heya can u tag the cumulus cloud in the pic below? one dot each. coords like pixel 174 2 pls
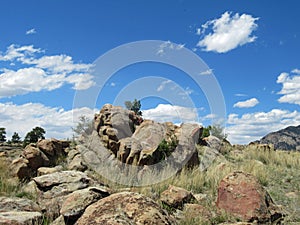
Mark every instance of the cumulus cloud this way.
pixel 171 113
pixel 31 31
pixel 253 126
pixel 56 121
pixel 290 90
pixel 246 104
pixel 40 72
pixel 228 32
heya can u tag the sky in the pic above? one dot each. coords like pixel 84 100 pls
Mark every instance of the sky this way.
pixel 50 50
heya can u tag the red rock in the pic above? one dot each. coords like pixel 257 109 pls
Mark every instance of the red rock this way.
pixel 241 195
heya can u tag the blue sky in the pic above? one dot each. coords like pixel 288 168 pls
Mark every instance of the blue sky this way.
pixel 47 50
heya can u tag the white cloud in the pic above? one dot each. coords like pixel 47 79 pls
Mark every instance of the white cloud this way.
pixel 228 32
pixel 31 31
pixel 41 73
pixel 56 121
pixel 171 113
pixel 15 52
pixel 290 87
pixel 168 46
pixel 207 72
pixel 240 95
pixel 253 126
pixel 246 104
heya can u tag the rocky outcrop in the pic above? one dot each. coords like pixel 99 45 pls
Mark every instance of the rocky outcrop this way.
pixel 19 211
pixel 241 195
pixel 285 139
pixel 125 208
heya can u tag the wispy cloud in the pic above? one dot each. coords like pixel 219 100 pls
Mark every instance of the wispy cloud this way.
pixel 31 31
pixel 228 32
pixel 163 84
pixel 40 72
pixel 168 46
pixel 247 103
pixel 290 87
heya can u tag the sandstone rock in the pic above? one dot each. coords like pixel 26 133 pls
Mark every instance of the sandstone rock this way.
pixel 125 208
pixel 213 142
pixel 176 197
pixel 18 204
pixel 53 148
pixel 76 202
pixel 48 170
pixel 35 157
pixel 59 221
pixel 77 164
pixel 52 189
pixel 20 168
pixel 21 218
pixel 185 153
pixel 240 194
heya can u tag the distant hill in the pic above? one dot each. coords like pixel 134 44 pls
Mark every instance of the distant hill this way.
pixel 285 139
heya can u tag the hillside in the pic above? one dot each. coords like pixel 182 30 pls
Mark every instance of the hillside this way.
pixel 285 139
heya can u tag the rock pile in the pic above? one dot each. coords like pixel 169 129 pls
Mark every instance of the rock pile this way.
pixel 44 153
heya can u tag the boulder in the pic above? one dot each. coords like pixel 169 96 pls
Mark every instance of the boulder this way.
pixel 20 168
pixel 48 170
pixel 185 153
pixel 18 211
pixel 18 204
pixel 35 157
pixel 21 218
pixel 176 197
pixel 125 208
pixel 241 195
pixel 76 202
pixel 53 148
pixel 52 189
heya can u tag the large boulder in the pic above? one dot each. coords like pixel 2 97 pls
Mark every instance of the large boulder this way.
pixel 125 208
pixel 36 158
pixel 241 195
pixel 76 202
pixel 18 204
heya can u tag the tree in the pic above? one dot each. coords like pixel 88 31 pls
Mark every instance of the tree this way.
pixel 217 130
pixel 135 106
pixel 2 134
pixel 15 138
pixel 34 135
pixel 84 126
pixel 206 131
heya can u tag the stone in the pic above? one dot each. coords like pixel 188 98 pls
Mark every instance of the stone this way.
pixel 35 157
pixel 48 170
pixel 125 208
pixel 21 218
pixel 77 164
pixel 176 197
pixel 241 195
pixel 52 189
pixel 53 148
pixel 20 168
pixel 76 202
pixel 18 204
